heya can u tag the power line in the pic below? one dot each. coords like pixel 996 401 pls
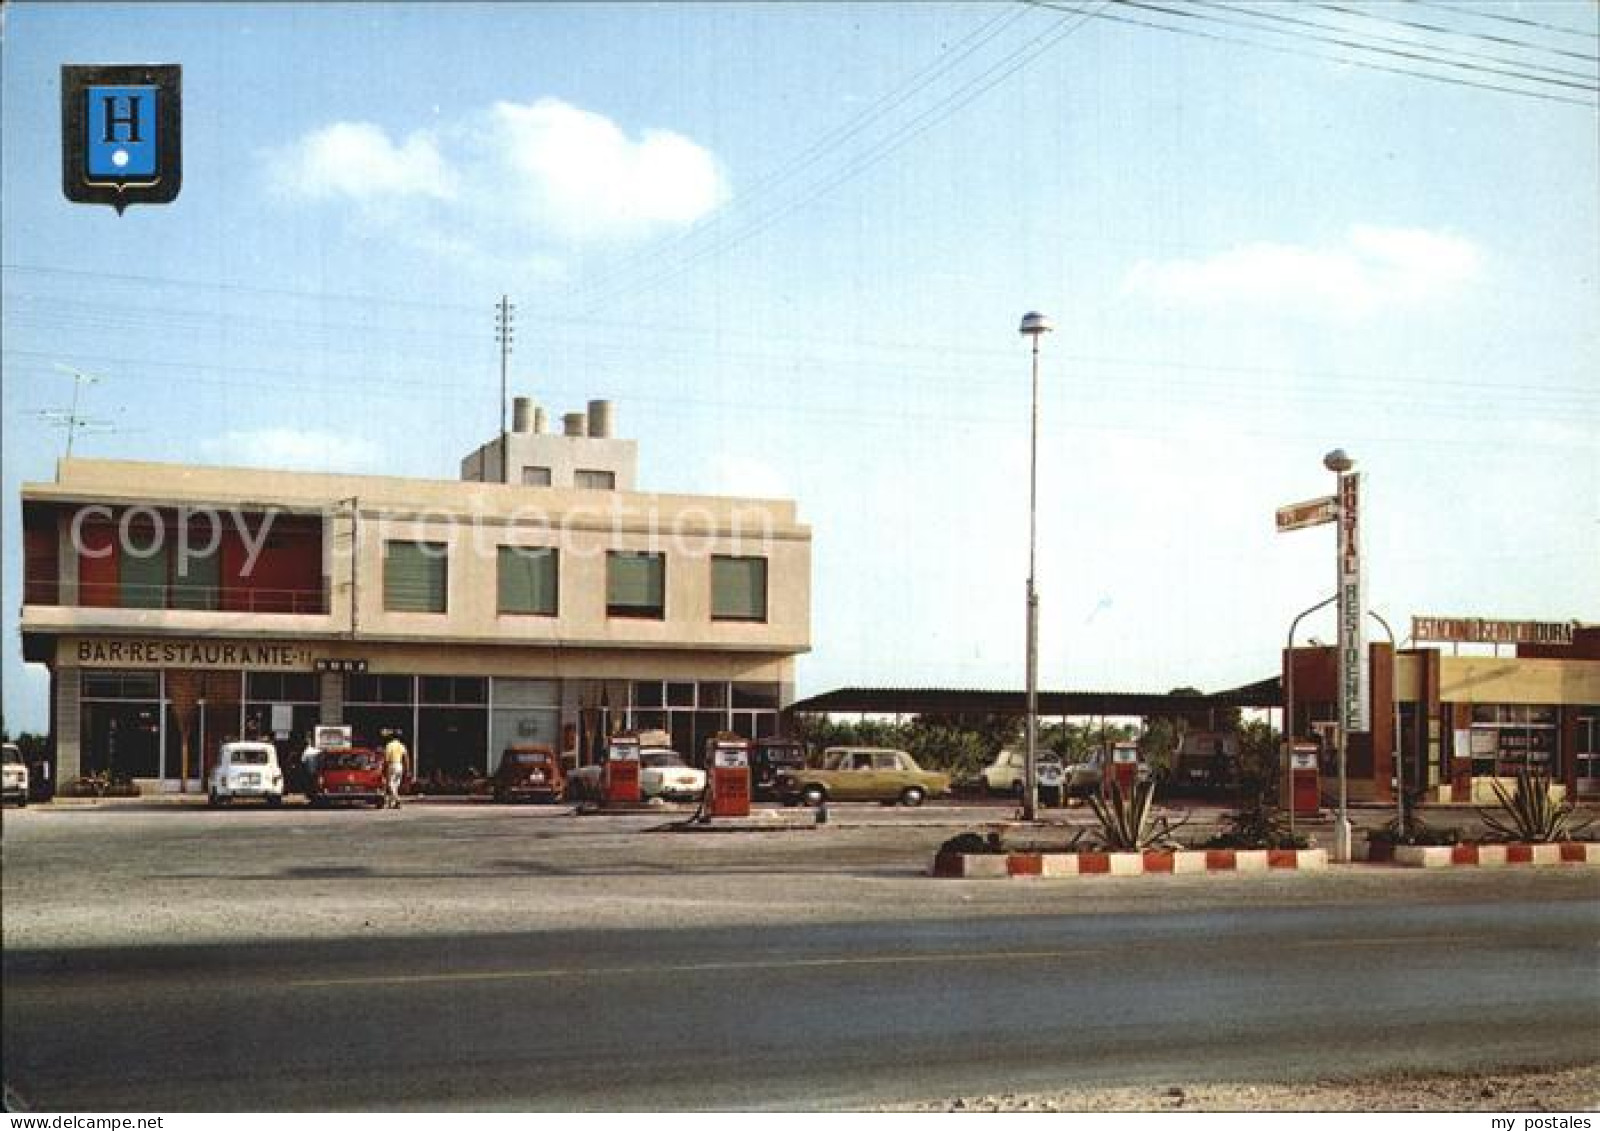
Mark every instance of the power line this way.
pixel 1420 56
pixel 1470 10
pixel 972 89
pixel 1320 55
pixel 1521 44
pixel 805 158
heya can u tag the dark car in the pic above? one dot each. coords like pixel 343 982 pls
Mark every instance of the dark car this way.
pixel 348 774
pixel 770 759
pixel 532 772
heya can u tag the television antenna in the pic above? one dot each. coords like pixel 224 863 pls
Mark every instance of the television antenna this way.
pixel 70 419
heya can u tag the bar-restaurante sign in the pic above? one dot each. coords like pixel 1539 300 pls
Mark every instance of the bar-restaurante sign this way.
pixel 194 654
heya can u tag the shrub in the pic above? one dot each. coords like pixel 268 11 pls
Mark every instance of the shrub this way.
pixel 1530 813
pixel 1128 823
pixel 98 785
pixel 972 844
pixel 1257 826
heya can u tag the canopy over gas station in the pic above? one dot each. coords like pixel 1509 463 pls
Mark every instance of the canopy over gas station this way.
pixel 972 701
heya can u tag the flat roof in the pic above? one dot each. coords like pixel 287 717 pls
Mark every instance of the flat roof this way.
pixel 988 701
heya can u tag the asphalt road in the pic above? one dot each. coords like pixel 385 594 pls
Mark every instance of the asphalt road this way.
pixel 803 1017
pixel 479 959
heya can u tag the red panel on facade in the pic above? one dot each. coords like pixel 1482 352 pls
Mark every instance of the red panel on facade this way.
pixel 97 565
pixel 285 576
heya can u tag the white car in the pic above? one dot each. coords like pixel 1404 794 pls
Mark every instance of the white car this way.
pixel 1006 773
pixel 16 775
pixel 664 774
pixel 246 770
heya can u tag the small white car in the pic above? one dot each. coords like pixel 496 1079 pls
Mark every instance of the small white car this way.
pixel 246 770
pixel 16 775
pixel 664 774
pixel 1007 772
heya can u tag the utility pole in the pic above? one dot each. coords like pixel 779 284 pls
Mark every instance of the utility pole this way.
pixel 502 334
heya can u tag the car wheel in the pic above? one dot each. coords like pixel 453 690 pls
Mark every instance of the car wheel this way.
pixel 1016 790
pixel 274 800
pixel 912 796
pixel 213 800
pixel 813 795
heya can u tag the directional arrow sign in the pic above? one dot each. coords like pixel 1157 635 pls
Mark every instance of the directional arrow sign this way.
pixel 1312 512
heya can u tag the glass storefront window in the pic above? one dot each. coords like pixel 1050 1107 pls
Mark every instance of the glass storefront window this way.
pixel 120 685
pixel 378 689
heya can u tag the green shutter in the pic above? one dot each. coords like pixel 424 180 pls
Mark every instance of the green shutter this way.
pixel 415 578
pixel 143 580
pixel 636 584
pixel 197 587
pixel 528 580
pixel 739 588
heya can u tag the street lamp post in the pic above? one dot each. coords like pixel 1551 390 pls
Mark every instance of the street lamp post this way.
pixel 1352 646
pixel 1034 325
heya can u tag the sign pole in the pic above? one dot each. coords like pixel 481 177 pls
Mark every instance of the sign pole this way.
pixel 1353 666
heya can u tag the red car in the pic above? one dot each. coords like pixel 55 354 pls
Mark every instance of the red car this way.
pixel 347 774
pixel 529 771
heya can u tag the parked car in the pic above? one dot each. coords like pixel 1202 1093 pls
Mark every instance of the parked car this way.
pixel 351 773
pixel 855 773
pixel 1006 773
pixel 770 758
pixel 664 773
pixel 246 770
pixel 529 772
pixel 15 778
pixel 1089 776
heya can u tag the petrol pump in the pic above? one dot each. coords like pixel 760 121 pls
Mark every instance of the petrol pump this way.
pixel 1125 766
pixel 1049 777
pixel 1305 785
pixel 622 769
pixel 728 762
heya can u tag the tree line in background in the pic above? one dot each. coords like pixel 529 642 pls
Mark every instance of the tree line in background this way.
pixel 962 745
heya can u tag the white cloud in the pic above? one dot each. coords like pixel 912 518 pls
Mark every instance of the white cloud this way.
pixel 513 181
pixel 577 171
pixel 293 450
pixel 358 161
pixel 1373 269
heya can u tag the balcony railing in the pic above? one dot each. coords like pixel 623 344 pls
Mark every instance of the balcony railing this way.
pixel 196 598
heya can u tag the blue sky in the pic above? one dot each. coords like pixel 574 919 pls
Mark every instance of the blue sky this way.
pixel 793 242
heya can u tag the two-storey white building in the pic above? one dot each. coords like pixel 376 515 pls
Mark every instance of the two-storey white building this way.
pixel 178 607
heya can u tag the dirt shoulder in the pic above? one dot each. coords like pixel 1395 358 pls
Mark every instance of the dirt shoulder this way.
pixel 1563 1090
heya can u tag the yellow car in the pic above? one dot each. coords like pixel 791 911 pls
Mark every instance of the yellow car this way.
pixel 859 773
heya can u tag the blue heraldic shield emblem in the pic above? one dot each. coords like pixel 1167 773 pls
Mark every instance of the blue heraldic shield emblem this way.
pixel 121 134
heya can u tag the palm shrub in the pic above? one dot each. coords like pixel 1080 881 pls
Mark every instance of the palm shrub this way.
pixel 1530 813
pixel 1129 824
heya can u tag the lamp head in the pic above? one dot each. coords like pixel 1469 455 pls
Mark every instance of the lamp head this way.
pixel 1337 460
pixel 1034 324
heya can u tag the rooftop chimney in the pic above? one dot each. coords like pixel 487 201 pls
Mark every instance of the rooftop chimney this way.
pixel 573 424
pixel 521 414
pixel 602 420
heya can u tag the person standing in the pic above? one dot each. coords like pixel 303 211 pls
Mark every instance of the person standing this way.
pixel 394 770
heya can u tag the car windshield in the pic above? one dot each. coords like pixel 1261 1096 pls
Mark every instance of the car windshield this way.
pixel 13 756
pixel 528 757
pixel 349 760
pixel 247 757
pixel 659 758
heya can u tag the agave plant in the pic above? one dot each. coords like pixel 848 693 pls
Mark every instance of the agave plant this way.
pixel 1530 813
pixel 1129 824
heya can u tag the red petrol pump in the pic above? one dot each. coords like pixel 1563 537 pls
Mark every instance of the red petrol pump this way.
pixel 1125 766
pixel 1305 784
pixel 622 769
pixel 728 763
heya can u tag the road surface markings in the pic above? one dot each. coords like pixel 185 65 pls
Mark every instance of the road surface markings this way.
pixel 815 963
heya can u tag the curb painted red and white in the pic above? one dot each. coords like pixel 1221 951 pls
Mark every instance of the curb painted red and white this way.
pixel 1480 855
pixel 998 866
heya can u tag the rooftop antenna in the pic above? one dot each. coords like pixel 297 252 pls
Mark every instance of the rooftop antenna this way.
pixel 70 420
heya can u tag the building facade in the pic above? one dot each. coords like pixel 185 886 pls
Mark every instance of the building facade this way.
pixel 1462 722
pixel 177 607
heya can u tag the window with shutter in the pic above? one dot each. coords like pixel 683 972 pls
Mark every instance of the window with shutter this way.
pixel 636 585
pixel 415 577
pixel 529 580
pixel 739 588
